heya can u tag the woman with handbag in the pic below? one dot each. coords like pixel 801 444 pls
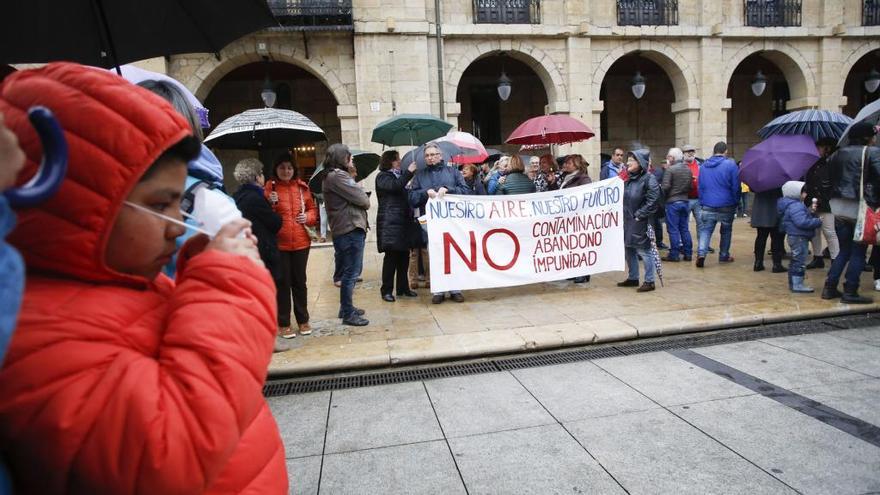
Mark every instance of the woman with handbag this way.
pixel 855 174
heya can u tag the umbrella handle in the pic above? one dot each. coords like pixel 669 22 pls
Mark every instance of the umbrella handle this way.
pixel 53 166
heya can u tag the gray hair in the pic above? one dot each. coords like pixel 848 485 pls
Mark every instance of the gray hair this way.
pixel 676 153
pixel 172 94
pixel 247 170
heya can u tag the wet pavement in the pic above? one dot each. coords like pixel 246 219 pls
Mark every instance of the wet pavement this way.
pixel 546 315
pixel 794 414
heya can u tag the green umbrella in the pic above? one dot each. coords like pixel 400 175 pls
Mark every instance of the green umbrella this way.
pixel 364 161
pixel 411 129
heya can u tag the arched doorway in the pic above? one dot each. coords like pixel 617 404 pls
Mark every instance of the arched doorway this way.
pixel 857 95
pixel 483 113
pixel 749 112
pixel 296 89
pixel 630 122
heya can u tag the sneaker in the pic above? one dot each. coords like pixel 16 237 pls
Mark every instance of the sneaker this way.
pixel 337 283
pixel 701 260
pixel 437 298
pixel 457 297
pixel 305 329
pixel 877 284
pixel 628 283
pixel 669 258
pixel 357 311
pixel 286 333
pixel 646 287
pixel 729 259
pixel 356 321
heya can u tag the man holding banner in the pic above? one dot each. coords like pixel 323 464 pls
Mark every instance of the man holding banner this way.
pixel 433 182
pixel 491 241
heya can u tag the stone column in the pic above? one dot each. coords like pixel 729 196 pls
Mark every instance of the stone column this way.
pixel 579 80
pixel 711 119
pixel 830 79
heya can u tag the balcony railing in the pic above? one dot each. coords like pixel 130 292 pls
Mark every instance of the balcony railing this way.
pixel 871 13
pixel 507 11
pixel 767 13
pixel 313 15
pixel 647 12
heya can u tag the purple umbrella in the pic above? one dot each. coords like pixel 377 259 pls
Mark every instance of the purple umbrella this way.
pixel 777 160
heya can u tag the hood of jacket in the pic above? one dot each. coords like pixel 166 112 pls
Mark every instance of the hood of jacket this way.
pixel 792 189
pixel 713 161
pixel 115 131
pixel 643 157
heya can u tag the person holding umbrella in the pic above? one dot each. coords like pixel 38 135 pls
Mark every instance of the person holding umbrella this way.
pixel 291 199
pixel 641 198
pixel 854 168
pixel 394 225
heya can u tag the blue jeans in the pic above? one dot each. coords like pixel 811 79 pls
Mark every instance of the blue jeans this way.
pixel 798 246
pixel 349 248
pixel 851 256
pixel 677 224
pixel 695 208
pixel 632 263
pixel 710 216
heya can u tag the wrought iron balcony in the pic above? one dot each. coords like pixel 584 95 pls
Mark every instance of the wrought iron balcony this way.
pixel 768 13
pixel 871 13
pixel 507 11
pixel 647 12
pixel 313 15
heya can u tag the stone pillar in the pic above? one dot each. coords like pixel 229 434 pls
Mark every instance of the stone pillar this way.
pixel 830 79
pixel 711 121
pixel 579 80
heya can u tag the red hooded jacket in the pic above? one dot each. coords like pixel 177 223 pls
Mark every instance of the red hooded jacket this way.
pixel 293 198
pixel 114 383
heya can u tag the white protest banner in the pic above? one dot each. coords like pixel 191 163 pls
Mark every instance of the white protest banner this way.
pixel 498 241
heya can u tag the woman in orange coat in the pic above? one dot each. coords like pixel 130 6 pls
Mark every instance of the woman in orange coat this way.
pixel 290 198
pixel 118 379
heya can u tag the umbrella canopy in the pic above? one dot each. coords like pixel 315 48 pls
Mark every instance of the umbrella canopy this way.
pixel 816 123
pixel 869 113
pixel 473 149
pixel 108 34
pixel 409 129
pixel 364 161
pixel 134 75
pixel 777 160
pixel 447 149
pixel 550 129
pixel 655 254
pixel 264 128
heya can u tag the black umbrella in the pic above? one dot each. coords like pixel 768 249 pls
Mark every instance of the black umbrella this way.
pixel 447 149
pixel 109 33
pixel 264 128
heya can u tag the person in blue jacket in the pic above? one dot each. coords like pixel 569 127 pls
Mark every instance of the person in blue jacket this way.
pixel 800 225
pixel 11 265
pixel 719 192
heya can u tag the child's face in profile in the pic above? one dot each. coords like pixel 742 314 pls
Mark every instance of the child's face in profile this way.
pixel 140 243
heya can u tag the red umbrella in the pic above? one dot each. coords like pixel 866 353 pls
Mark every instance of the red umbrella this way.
pixel 474 151
pixel 550 129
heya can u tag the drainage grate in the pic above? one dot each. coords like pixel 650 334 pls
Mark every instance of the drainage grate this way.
pixel 506 363
pixel 547 359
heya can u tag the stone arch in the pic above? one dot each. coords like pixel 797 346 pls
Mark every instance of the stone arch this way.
pixel 534 57
pixel 856 55
pixel 684 83
pixel 212 70
pixel 800 78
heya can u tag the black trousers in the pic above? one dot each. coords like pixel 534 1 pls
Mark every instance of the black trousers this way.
pixel 777 243
pixel 395 262
pixel 292 281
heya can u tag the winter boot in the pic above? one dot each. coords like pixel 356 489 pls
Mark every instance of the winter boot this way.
pixel 797 285
pixel 830 292
pixel 851 296
pixel 778 267
pixel 817 262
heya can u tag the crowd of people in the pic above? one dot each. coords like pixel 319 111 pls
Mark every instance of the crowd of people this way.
pixel 121 378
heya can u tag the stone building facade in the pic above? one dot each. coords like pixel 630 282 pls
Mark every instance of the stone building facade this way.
pixel 573 57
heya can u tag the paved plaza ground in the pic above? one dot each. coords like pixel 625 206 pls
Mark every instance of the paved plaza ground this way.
pixel 545 315
pixel 796 414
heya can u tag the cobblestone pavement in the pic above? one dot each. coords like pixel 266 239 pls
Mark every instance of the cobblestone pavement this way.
pixel 544 315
